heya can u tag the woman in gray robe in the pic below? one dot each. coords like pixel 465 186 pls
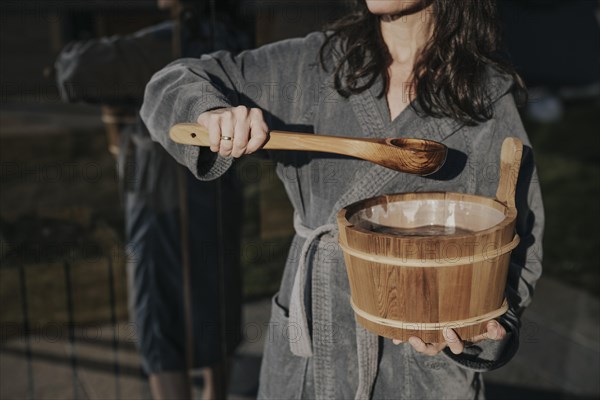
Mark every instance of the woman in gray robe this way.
pixel 424 69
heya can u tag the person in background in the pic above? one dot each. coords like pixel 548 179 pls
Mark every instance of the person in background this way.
pixel 420 68
pixel 113 71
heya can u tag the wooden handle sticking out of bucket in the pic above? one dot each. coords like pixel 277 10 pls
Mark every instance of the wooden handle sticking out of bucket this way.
pixel 510 163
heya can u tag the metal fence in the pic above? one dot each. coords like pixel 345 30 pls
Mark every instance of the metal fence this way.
pixel 104 349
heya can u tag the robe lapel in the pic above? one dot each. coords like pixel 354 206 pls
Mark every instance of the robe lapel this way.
pixel 373 124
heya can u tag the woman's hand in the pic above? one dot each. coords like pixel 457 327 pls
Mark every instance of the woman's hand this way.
pixel 495 331
pixel 235 131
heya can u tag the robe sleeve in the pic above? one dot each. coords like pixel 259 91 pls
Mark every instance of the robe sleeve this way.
pixel 278 78
pixel 113 70
pixel 526 260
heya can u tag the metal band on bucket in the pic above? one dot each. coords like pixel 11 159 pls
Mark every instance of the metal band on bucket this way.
pixel 417 262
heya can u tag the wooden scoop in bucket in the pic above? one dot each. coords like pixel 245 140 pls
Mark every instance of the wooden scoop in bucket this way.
pixel 414 156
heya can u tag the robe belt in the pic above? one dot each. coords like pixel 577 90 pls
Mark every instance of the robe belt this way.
pixel 302 345
pixel 367 343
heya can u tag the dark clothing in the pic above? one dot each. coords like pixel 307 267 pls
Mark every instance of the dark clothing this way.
pixel 153 233
pixel 115 71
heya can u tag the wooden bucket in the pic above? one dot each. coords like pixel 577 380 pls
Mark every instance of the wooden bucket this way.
pixel 420 262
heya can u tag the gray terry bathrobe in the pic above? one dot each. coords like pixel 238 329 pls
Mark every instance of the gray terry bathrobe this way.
pixel 314 348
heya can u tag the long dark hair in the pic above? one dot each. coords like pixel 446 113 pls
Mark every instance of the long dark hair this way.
pixel 450 74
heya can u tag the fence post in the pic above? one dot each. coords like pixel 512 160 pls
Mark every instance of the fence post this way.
pixel 26 332
pixel 113 321
pixel 71 325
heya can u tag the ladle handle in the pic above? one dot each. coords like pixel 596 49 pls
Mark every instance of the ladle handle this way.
pixel 193 134
pixel 197 135
pixel 510 163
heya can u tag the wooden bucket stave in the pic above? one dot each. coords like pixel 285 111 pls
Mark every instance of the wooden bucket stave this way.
pixel 406 286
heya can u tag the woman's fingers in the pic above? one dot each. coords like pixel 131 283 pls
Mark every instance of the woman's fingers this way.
pixel 430 349
pixel 241 131
pixel 214 132
pixel 235 131
pixel 211 120
pixel 227 134
pixel 258 131
pixel 454 342
pixel 495 331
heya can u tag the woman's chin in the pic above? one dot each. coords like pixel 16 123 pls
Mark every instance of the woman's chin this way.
pixel 395 7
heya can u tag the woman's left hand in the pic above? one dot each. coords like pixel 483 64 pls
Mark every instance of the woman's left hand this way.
pixel 495 331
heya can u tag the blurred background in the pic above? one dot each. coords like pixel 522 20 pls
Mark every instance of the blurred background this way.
pixel 65 330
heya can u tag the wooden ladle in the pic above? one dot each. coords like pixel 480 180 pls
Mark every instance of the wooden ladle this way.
pixel 414 156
